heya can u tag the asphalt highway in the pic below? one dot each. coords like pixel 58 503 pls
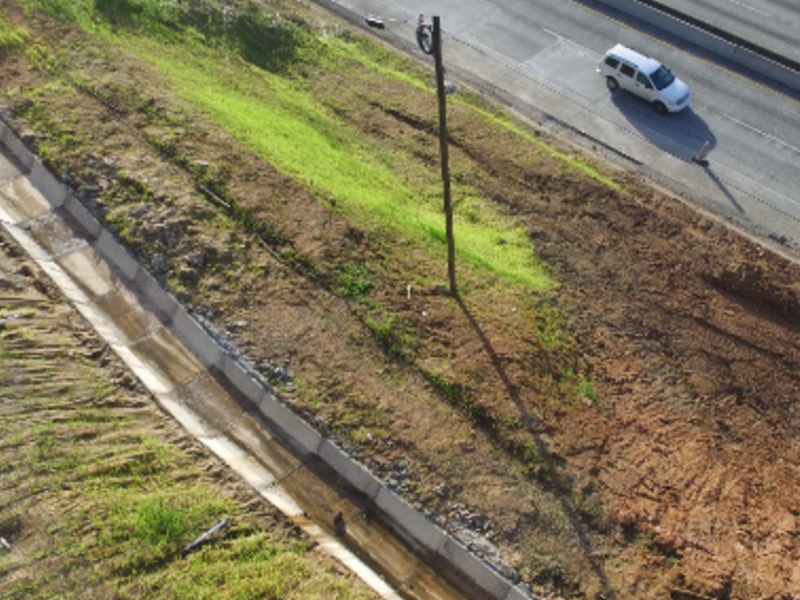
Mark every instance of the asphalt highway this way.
pixel 772 24
pixel 538 57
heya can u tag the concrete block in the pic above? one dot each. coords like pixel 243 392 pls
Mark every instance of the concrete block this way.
pixel 16 147
pixel 196 339
pixel 291 428
pixel 349 469
pixel 517 593
pixel 95 276
pixel 767 67
pixel 23 201
pixel 709 42
pixel 475 570
pixel 84 218
pixel 672 25
pixel 115 253
pixel 154 297
pixel 632 8
pixel 242 380
pixel 51 188
pixel 408 523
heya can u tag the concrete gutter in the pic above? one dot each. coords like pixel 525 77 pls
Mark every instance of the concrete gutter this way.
pixel 723 44
pixel 39 196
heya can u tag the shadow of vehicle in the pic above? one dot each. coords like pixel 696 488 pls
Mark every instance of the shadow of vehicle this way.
pixel 682 134
pixel 685 135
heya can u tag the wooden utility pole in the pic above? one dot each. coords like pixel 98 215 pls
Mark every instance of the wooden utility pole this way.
pixel 443 149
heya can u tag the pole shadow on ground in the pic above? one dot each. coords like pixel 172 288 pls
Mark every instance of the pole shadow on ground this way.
pixel 535 427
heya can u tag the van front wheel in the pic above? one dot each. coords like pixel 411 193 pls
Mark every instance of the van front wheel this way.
pixel 659 107
pixel 612 84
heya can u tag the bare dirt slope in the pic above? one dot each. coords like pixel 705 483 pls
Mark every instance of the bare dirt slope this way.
pixel 678 478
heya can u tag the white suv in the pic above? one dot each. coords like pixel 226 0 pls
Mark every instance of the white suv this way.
pixel 644 76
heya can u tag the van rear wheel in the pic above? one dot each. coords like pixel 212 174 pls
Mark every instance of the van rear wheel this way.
pixel 612 84
pixel 659 107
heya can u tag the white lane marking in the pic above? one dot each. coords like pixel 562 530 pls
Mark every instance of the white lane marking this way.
pixel 564 38
pixel 746 6
pixel 764 134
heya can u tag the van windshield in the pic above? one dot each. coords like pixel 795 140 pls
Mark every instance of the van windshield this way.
pixel 662 77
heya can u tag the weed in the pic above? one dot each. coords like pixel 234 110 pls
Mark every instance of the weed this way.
pixel 334 160
pixel 550 329
pixel 11 38
pixel 157 522
pixel 131 190
pixel 358 178
pixel 587 391
pixel 454 393
pixel 125 226
pixel 389 335
pixel 531 456
pixel 448 462
pixel 354 282
pixel 102 388
pixel 301 262
pixel 646 541
pixel 279 377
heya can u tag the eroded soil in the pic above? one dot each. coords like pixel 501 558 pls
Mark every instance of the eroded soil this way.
pixel 679 480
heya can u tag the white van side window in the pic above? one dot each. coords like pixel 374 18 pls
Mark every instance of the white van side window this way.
pixel 626 69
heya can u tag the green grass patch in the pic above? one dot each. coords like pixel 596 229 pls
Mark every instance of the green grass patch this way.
pixel 11 38
pixel 107 510
pixel 296 134
pixel 280 120
pixel 354 282
pixel 273 114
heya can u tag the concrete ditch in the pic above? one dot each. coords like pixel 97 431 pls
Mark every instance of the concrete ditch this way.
pixel 217 399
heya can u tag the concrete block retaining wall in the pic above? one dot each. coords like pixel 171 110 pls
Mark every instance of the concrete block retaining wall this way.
pixel 455 559
pixel 16 147
pixel 84 218
pixel 108 247
pixel 50 187
pixel 160 302
pixel 355 473
pixel 303 438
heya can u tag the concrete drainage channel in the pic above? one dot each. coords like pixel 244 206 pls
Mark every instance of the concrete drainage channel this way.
pixel 392 547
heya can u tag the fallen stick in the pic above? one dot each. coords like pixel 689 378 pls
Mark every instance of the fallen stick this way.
pixel 205 536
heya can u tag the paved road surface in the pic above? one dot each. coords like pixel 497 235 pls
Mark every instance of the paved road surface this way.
pixel 772 24
pixel 539 56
